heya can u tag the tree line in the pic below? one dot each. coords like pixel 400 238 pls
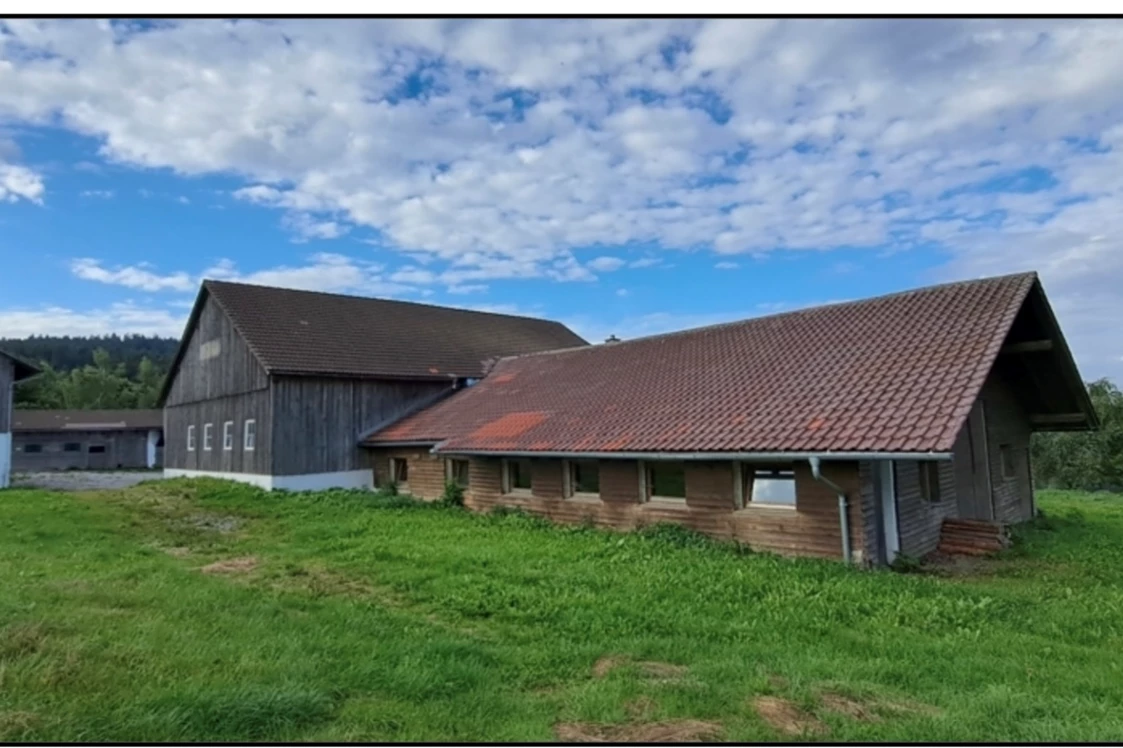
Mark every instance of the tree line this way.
pixel 1088 461
pixel 93 373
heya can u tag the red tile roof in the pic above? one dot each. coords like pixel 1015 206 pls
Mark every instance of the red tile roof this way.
pixel 896 373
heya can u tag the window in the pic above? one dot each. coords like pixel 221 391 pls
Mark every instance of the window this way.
pixel 666 480
pixel 582 478
pixel 930 481
pixel 32 449
pixel 72 447
pixel 772 487
pixel 190 438
pixel 456 471
pixel 249 435
pixel 1009 462
pixel 399 471
pixel 207 436
pixel 516 476
pixel 97 449
pixel 228 436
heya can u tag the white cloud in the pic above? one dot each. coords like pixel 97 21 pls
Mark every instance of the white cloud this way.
pixel 102 194
pixel 726 265
pixel 750 138
pixel 134 276
pixel 622 292
pixel 324 272
pixel 121 318
pixel 606 264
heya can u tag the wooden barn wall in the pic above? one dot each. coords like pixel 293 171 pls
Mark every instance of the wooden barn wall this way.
pixel 317 421
pixel 919 520
pixel 237 408
pixel 123 449
pixel 234 370
pixel 7 376
pixel 871 506
pixel 810 529
pixel 1008 423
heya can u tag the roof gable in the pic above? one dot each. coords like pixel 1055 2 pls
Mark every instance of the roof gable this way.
pixel 896 373
pixel 308 333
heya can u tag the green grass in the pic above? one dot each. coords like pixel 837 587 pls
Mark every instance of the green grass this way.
pixel 375 619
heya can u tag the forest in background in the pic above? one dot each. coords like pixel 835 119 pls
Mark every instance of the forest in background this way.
pixel 127 372
pixel 96 372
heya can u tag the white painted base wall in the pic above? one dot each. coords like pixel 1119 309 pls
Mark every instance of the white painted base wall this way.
pixel 5 459
pixel 307 482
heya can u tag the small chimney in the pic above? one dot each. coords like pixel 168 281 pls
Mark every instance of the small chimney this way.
pixel 612 339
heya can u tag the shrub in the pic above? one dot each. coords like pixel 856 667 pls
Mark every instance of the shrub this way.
pixel 453 495
pixel 906 564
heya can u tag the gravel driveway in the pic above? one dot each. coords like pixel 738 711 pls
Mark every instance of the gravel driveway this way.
pixel 78 480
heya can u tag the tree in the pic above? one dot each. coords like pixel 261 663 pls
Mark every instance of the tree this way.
pixel 103 384
pixel 1089 461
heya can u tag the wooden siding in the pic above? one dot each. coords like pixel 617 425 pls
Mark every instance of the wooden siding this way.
pixel 7 377
pixel 317 422
pixel 234 370
pixel 237 408
pixel 812 528
pixel 1008 423
pixel 871 507
pixel 426 471
pixel 919 520
pixel 125 449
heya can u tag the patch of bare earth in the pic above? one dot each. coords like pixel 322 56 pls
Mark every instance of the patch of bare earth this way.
pixel 14 723
pixel 784 716
pixel 663 672
pixel 853 708
pixel 178 551
pixel 671 731
pixel 231 566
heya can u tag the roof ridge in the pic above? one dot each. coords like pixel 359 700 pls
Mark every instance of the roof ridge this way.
pixel 790 312
pixel 213 281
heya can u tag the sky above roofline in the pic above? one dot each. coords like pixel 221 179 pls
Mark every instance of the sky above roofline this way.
pixel 628 177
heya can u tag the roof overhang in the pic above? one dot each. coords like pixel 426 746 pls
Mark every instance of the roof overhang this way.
pixel 701 456
pixel 23 369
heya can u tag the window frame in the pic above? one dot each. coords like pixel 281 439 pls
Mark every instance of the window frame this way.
pixel 649 481
pixel 569 483
pixel 508 487
pixel 191 438
pixel 96 449
pixel 1007 458
pixel 929 479
pixel 749 473
pixel 249 445
pixel 34 448
pixel 208 437
pixel 450 473
pixel 227 436
pixel 77 446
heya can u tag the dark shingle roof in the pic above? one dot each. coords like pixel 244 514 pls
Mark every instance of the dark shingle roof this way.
pixel 897 373
pixel 308 333
pixel 86 420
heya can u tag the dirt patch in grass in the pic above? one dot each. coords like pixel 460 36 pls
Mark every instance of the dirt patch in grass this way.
pixel 784 716
pixel 673 731
pixel 318 581
pixel 231 566
pixel 177 551
pixel 640 709
pixel 904 706
pixel 656 671
pixel 861 711
pixel 20 639
pixel 14 723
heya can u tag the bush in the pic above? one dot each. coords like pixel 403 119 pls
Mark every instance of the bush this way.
pixel 453 495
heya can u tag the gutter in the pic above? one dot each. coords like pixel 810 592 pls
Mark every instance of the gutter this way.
pixel 700 456
pixel 843 516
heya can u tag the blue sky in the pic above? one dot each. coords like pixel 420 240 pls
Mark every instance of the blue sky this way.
pixel 625 177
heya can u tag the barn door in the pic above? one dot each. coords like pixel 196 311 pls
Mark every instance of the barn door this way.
pixel 972 468
pixel 98 457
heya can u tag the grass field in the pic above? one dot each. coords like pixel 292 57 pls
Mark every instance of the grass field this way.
pixel 207 611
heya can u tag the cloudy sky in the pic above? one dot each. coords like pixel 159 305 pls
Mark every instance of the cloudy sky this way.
pixel 625 177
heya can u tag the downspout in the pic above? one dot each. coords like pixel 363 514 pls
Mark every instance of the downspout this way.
pixel 843 515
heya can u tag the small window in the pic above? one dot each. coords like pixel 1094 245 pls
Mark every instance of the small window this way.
pixel 97 449
pixel 775 487
pixel 930 481
pixel 516 476
pixel 72 447
pixel 190 438
pixel 666 480
pixel 228 436
pixel 583 478
pixel 32 449
pixel 208 439
pixel 1009 461
pixel 399 471
pixel 249 435
pixel 456 471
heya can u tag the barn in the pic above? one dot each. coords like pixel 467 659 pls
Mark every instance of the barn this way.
pixel 276 387
pixel 12 370
pixel 86 439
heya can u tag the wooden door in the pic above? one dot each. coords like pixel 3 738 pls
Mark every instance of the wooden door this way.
pixel 972 468
pixel 97 457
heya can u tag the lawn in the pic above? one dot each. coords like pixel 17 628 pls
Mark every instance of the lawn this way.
pixel 207 611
